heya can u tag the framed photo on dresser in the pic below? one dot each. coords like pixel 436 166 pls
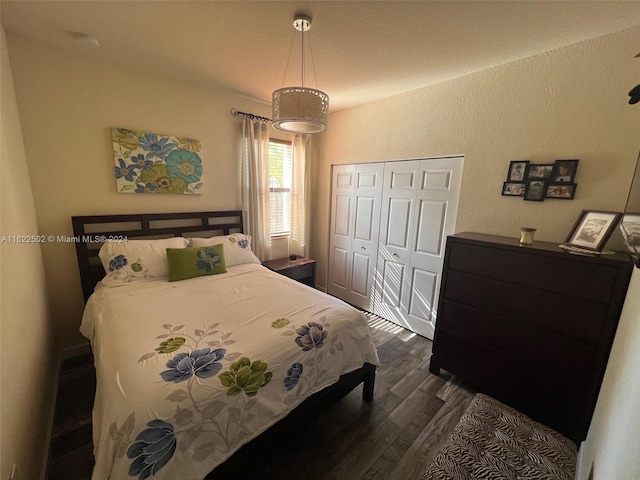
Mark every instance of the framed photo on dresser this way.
pixel 592 229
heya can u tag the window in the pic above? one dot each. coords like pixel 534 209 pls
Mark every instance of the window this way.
pixel 280 154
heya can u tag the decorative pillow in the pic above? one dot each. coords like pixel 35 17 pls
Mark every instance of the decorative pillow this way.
pixel 237 247
pixel 193 262
pixel 137 259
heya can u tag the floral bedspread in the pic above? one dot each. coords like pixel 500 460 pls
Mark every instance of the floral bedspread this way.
pixel 190 371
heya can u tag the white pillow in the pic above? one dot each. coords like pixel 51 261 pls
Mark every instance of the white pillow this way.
pixel 137 259
pixel 237 248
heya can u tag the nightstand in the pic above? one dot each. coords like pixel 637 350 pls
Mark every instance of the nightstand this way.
pixel 301 269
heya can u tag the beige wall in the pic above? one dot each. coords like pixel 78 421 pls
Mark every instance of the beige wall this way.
pixel 68 102
pixel 26 357
pixel 569 103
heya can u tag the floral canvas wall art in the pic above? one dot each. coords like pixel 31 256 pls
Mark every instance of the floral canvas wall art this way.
pixel 152 163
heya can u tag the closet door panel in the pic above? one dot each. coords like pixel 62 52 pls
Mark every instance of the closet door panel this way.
pixel 399 224
pixel 436 206
pixel 341 230
pixel 356 197
pixel 396 227
pixel 430 227
pixel 364 219
pixel 391 279
pixel 360 280
pixel 422 295
pixel 339 270
pixel 366 227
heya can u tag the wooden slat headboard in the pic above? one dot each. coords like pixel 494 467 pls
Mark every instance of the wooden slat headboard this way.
pixel 90 232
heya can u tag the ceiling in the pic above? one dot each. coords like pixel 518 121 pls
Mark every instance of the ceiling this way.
pixel 362 50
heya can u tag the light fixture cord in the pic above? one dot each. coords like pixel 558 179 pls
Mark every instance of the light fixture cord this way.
pixel 303 54
pixel 313 64
pixel 288 58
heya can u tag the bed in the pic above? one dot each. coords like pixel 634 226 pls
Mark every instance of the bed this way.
pixel 190 371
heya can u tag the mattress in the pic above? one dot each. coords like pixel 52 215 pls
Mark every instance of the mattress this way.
pixel 189 371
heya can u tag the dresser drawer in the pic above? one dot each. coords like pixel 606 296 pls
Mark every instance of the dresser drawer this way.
pixel 567 276
pixel 571 316
pixel 536 346
pixel 552 399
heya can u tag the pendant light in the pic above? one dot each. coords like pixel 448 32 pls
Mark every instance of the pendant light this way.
pixel 300 109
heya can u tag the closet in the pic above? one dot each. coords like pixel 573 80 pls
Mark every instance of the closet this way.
pixel 389 223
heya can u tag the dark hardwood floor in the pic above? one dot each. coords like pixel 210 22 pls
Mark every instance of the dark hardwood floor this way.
pixel 393 437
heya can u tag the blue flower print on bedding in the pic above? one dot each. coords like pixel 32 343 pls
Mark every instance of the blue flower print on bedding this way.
pixel 201 363
pixel 208 259
pixel 152 450
pixel 117 262
pixel 311 335
pixel 293 376
pixel 243 243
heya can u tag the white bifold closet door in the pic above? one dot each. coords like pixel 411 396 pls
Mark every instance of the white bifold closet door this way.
pixel 389 223
pixel 419 206
pixel 355 221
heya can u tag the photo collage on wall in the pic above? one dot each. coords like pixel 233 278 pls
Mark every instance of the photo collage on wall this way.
pixel 539 181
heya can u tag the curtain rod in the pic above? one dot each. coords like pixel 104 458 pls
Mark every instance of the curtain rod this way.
pixel 252 116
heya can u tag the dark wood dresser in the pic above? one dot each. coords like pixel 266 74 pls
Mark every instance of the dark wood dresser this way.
pixel 531 326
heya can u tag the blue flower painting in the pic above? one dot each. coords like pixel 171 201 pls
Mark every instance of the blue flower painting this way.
pixel 152 163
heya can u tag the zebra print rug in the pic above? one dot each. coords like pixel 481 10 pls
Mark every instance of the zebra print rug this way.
pixel 494 441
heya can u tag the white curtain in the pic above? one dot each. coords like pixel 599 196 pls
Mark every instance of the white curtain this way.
pixel 255 186
pixel 300 193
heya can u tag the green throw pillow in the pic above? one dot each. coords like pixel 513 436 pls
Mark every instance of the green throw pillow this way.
pixel 193 262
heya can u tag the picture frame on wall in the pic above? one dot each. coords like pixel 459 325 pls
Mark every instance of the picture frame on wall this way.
pixel 517 170
pixel 564 171
pixel 561 191
pixel 592 229
pixel 535 190
pixel 513 189
pixel 540 171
